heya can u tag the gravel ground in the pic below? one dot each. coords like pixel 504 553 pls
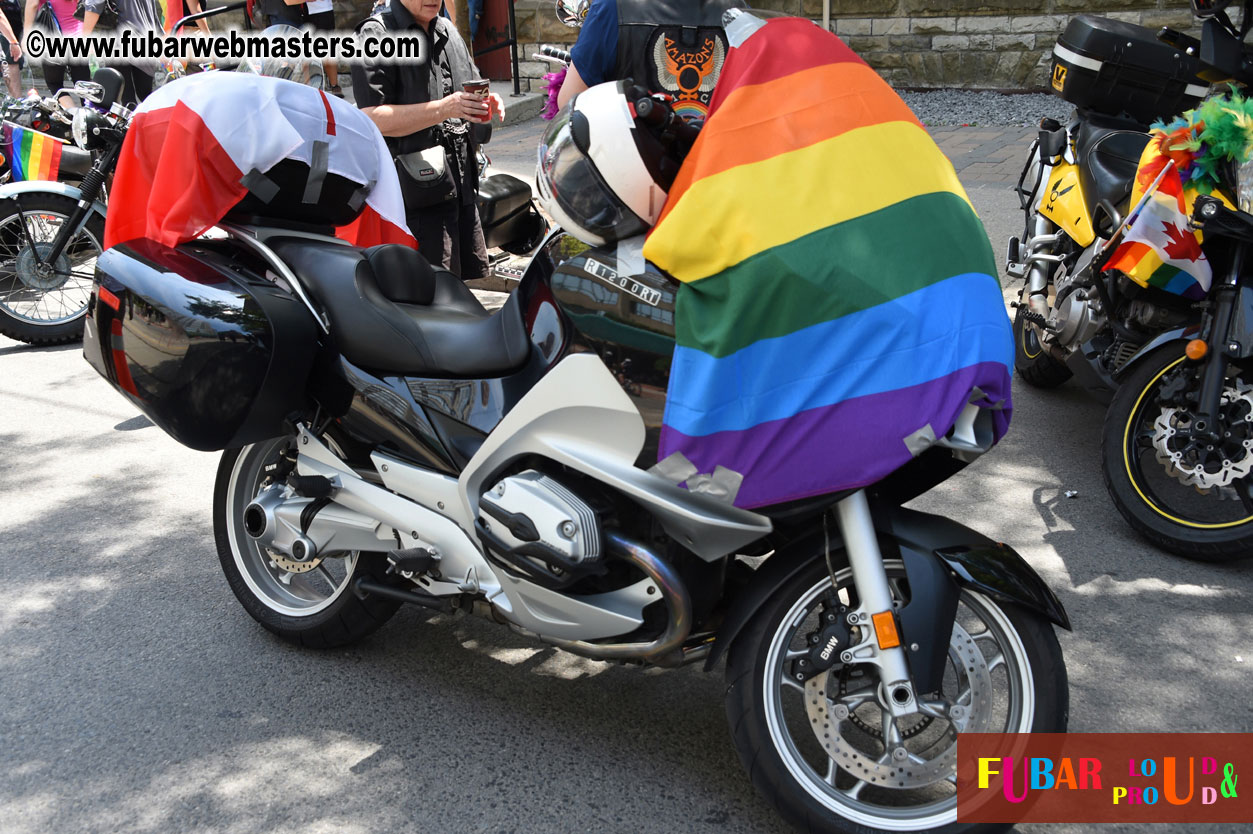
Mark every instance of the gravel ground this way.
pixel 970 107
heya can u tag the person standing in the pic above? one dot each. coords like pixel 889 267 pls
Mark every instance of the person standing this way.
pixel 322 18
pixel 11 27
pixel 667 46
pixel 54 73
pixel 140 16
pixel 426 115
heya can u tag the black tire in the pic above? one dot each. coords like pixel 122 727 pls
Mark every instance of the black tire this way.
pixel 341 619
pixel 760 753
pixel 1172 515
pixel 1034 364
pixel 37 309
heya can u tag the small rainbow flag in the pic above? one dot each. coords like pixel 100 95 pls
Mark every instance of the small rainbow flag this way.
pixel 1160 249
pixel 32 155
pixel 837 307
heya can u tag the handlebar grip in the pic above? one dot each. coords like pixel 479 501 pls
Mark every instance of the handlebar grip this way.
pixel 555 52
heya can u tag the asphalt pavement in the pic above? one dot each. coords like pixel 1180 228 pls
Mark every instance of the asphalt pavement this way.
pixel 136 695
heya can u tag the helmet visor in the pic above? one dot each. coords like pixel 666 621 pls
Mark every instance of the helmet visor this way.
pixel 578 190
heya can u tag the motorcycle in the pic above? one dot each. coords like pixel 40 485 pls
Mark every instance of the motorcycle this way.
pixel 386 441
pixel 51 233
pixel 1177 445
pixel 1074 190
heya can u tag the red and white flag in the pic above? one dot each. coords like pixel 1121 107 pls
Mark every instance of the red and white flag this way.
pixel 192 143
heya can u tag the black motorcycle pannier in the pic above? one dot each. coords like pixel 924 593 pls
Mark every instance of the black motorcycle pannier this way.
pixel 509 220
pixel 213 353
pixel 1120 69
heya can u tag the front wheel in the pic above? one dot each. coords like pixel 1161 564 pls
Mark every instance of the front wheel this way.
pixel 827 754
pixel 1033 362
pixel 45 303
pixel 1185 493
pixel 312 603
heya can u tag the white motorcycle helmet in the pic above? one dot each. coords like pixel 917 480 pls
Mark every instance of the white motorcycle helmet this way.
pixel 598 171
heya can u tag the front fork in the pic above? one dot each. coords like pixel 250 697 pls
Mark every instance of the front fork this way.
pixel 1222 347
pixel 875 614
pixel 89 190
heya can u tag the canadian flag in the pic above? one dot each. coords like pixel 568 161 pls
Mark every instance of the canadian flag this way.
pixel 1159 248
pixel 192 144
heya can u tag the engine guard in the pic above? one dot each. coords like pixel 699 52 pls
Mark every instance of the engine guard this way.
pixel 941 557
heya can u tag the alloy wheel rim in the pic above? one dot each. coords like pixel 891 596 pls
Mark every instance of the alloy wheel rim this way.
pixel 292 593
pixel 848 802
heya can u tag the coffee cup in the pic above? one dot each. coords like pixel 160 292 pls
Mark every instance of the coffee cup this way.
pixel 478 87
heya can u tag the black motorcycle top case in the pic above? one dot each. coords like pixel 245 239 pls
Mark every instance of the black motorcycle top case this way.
pixel 216 355
pixel 1121 69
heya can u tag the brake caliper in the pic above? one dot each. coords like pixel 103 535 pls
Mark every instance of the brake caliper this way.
pixel 825 645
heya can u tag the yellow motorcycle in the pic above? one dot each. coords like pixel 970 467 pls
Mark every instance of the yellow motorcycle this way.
pixel 1075 190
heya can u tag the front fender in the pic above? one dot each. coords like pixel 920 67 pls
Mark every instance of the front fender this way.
pixel 941 556
pixel 15 189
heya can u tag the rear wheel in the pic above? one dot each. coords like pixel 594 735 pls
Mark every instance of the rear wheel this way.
pixel 1034 364
pixel 312 604
pixel 827 754
pixel 1191 496
pixel 45 303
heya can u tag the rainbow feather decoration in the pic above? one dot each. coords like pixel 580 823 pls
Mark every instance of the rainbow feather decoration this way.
pixel 838 305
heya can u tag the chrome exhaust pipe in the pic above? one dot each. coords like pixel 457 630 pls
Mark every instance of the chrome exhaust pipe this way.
pixel 666 649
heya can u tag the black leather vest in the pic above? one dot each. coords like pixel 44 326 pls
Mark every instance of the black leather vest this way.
pixel 675 47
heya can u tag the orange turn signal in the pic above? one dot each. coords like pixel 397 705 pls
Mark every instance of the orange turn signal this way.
pixel 1196 349
pixel 885 630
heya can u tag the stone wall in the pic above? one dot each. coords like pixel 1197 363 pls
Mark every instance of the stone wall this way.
pixel 975 44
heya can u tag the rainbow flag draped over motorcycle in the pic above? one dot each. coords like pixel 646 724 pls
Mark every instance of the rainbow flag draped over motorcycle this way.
pixel 838 307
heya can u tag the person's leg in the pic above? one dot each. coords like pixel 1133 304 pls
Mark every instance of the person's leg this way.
pixel 471 250
pixel 137 84
pixel 325 22
pixel 434 227
pixel 143 83
pixel 13 69
pixel 54 76
pixel 78 72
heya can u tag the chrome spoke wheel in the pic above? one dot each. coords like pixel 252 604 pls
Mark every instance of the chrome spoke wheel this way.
pixel 34 289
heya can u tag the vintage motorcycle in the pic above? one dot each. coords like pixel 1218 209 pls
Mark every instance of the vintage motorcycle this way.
pixel 388 441
pixel 52 232
pixel 1177 446
pixel 1075 190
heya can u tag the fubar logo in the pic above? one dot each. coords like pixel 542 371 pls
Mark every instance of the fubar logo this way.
pixel 1103 777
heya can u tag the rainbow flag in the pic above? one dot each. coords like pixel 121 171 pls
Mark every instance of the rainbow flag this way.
pixel 32 155
pixel 838 307
pixel 169 12
pixel 1159 249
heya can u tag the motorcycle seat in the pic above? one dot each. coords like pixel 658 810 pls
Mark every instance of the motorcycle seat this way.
pixel 391 311
pixel 75 162
pixel 1108 158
